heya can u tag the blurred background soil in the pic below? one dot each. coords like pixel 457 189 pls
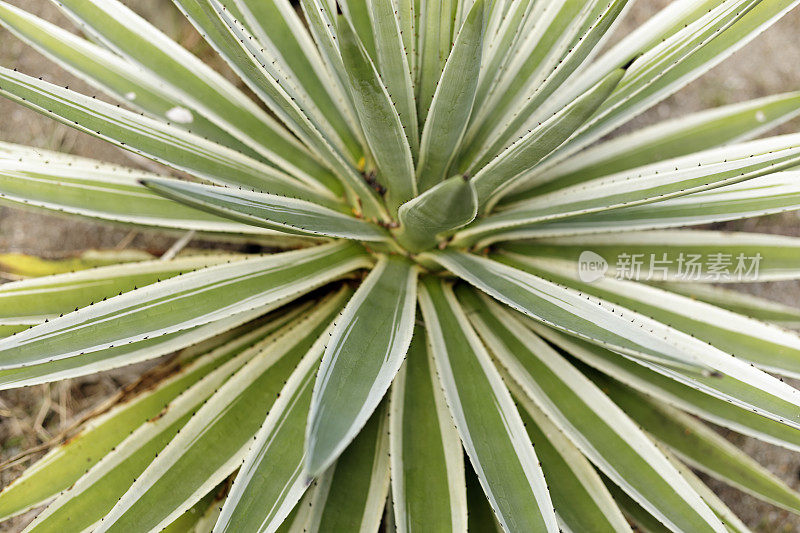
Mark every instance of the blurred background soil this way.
pixel 31 418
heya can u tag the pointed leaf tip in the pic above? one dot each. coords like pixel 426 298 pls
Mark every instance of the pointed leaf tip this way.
pixel 366 350
pixel 446 207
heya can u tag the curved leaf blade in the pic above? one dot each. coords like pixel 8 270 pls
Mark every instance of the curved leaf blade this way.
pixel 282 95
pixel 501 173
pixel 669 139
pixel 580 498
pixel 351 495
pixel 720 373
pixel 271 480
pixel 392 59
pixel 120 356
pixel 769 347
pixel 669 390
pixel 765 195
pixel 739 302
pixel 703 448
pixel 64 465
pixel 362 357
pixel 112 74
pixel 124 32
pixel 679 59
pixel 534 72
pixel 742 257
pixel 280 26
pixel 39 299
pixel 577 314
pixel 668 179
pixel 105 193
pixel 95 494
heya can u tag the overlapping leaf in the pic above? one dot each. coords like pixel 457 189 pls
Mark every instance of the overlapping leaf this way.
pixel 490 427
pixel 176 305
pixel 212 444
pixel 279 213
pixel 600 429
pixel 428 488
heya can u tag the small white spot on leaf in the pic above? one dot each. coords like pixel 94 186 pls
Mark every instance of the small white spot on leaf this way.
pixel 131 95
pixel 760 116
pixel 180 115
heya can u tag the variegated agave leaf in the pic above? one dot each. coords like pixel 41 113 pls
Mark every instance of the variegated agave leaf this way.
pixel 440 332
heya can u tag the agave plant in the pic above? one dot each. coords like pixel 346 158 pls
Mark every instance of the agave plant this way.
pixel 396 154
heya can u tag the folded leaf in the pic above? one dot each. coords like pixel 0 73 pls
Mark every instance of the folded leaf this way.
pixel 438 211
